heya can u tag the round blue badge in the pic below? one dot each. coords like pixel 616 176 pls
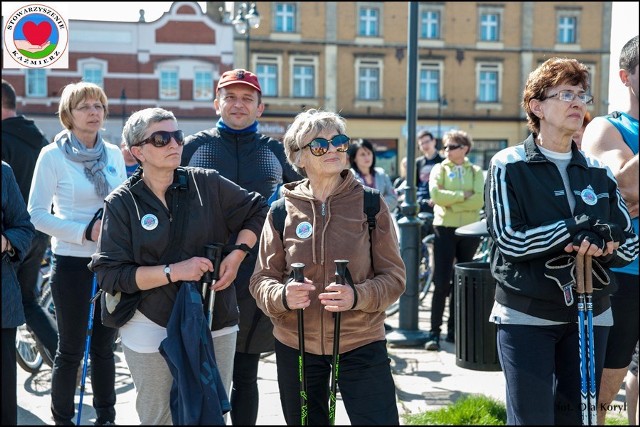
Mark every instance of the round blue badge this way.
pixel 304 230
pixel 112 170
pixel 589 196
pixel 149 222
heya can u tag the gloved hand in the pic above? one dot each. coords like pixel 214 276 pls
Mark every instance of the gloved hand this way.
pixel 590 237
pixel 561 270
pixel 609 231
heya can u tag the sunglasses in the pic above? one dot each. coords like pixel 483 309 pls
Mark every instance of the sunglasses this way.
pixel 451 147
pixel 162 138
pixel 320 146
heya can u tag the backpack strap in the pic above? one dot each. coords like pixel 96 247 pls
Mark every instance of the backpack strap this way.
pixel 278 213
pixel 371 206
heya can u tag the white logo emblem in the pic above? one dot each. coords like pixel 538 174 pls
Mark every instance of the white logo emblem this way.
pixel 589 196
pixel 149 222
pixel 304 230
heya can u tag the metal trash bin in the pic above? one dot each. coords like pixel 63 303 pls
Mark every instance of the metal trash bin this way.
pixel 475 335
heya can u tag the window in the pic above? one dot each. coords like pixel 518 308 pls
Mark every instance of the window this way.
pixel 285 17
pixel 304 78
pixel 203 85
pixel 36 81
pixel 267 72
pixel 488 78
pixel 567 29
pixel 490 27
pixel 369 78
pixel 429 82
pixel 369 21
pixel 93 73
pixel 169 84
pixel 430 24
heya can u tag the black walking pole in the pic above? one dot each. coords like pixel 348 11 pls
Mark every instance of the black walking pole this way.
pixel 341 271
pixel 87 345
pixel 298 276
pixel 214 254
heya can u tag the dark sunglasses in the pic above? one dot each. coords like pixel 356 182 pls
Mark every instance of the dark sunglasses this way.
pixel 453 147
pixel 162 138
pixel 320 146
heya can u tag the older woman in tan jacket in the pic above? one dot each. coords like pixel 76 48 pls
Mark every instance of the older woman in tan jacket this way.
pixel 324 223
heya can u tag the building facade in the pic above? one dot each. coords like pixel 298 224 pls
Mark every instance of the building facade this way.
pixel 350 57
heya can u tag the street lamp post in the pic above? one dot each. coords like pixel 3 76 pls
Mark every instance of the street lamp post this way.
pixel 442 102
pixel 247 18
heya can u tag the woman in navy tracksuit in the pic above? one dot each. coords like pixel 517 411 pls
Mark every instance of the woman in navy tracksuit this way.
pixel 543 199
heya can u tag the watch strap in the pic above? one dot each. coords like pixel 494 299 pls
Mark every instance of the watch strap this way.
pixel 167 272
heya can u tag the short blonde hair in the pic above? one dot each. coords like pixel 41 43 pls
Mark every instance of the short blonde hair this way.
pixel 457 137
pixel 73 94
pixel 306 126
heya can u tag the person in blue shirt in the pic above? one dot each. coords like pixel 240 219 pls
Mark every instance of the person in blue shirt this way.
pixel 613 139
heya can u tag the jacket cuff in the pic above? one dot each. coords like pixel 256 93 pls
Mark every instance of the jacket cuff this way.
pixel 284 297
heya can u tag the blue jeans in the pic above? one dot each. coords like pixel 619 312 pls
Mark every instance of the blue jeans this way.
pixel 365 383
pixel 71 283
pixel 541 366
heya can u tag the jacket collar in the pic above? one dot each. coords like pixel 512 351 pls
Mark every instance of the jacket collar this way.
pixel 534 155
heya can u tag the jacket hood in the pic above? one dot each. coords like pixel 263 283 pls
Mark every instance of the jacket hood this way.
pixel 23 129
pixel 302 189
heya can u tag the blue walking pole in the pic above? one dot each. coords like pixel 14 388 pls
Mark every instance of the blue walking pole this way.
pixel 87 344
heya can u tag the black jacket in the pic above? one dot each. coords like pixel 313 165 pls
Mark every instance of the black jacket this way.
pixel 530 221
pixel 257 163
pixel 217 208
pixel 21 145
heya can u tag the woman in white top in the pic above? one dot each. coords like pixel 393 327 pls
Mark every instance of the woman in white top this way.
pixel 362 157
pixel 74 174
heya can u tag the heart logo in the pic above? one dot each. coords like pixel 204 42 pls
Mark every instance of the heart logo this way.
pixel 37 34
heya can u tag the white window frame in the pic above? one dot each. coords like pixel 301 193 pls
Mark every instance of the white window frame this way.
pixel 561 14
pixel 491 10
pixel 426 22
pixel 430 66
pixel 93 64
pixel 165 92
pixel 282 16
pixel 362 63
pixel 306 61
pixel 270 60
pixel 36 77
pixel 498 68
pixel 202 84
pixel 377 20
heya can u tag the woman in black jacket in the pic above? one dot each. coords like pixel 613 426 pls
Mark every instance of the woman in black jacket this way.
pixel 545 199
pixel 132 252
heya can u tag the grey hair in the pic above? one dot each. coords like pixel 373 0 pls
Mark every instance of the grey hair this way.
pixel 306 126
pixel 137 125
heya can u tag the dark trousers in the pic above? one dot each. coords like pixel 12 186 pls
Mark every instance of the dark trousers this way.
pixel 447 247
pixel 244 393
pixel 365 384
pixel 9 378
pixel 41 325
pixel 71 283
pixel 541 365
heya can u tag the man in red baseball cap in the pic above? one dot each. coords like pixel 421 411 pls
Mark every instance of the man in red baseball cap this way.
pixel 236 149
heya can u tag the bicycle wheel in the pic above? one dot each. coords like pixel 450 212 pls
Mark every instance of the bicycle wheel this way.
pixel 27 354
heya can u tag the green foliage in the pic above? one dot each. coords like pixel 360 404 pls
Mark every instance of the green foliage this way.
pixel 616 420
pixel 469 410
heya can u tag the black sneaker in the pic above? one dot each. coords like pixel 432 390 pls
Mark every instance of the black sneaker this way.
pixel 433 342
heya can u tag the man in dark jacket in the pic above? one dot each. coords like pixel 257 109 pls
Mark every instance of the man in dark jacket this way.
pixel 257 163
pixel 21 145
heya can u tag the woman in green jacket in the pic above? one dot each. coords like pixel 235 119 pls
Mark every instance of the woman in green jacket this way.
pixel 456 187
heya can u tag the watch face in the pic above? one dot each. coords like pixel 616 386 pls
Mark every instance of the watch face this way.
pixel 167 270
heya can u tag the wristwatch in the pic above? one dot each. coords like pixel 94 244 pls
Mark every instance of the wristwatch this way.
pixel 243 247
pixel 167 271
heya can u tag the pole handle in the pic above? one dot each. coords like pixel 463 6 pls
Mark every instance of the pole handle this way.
pixel 580 273
pixel 588 274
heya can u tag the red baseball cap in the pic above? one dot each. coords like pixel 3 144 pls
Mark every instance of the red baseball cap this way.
pixel 239 75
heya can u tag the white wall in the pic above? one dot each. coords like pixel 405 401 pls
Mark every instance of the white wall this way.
pixel 624 25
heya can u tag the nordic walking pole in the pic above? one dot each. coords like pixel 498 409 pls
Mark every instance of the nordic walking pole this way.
pixel 214 254
pixel 341 271
pixel 298 276
pixel 580 287
pixel 591 354
pixel 87 344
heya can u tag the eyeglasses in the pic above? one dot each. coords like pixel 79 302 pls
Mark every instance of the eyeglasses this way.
pixel 162 138
pixel 320 146
pixel 451 147
pixel 568 96
pixel 86 107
